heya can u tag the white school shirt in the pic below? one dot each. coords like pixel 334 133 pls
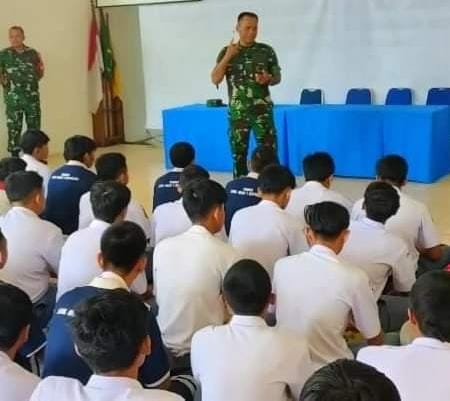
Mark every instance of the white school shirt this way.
pixel 37 166
pixel 380 254
pixel 34 249
pixel 412 222
pixel 135 213
pixel 419 370
pixel 188 271
pixel 98 388
pixel 266 233
pixel 310 193
pixel 79 266
pixel 248 360
pixel 315 295
pixel 16 383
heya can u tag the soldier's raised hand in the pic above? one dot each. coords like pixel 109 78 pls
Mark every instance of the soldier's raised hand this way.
pixel 232 50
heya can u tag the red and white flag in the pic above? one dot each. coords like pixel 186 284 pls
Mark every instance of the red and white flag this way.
pixel 95 66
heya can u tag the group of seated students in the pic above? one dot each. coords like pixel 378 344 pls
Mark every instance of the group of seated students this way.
pixel 256 291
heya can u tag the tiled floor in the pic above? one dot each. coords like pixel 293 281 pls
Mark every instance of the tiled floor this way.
pixel 146 164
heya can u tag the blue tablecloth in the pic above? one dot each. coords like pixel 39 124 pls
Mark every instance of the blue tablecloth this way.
pixel 356 136
pixel 207 129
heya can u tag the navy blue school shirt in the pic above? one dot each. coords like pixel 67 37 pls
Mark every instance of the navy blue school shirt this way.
pixel 241 192
pixel 65 188
pixel 165 189
pixel 62 360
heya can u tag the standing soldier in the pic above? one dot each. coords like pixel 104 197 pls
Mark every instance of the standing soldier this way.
pixel 250 68
pixel 21 68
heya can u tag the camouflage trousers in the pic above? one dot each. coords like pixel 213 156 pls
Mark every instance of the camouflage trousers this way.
pixel 15 112
pixel 258 118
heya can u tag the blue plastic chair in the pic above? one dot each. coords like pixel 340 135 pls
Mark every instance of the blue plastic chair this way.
pixel 311 96
pixel 399 97
pixel 359 96
pixel 438 96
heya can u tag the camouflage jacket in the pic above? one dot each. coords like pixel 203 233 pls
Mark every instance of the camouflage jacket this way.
pixel 242 87
pixel 20 70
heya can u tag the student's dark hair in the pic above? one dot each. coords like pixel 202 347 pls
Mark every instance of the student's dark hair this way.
pixel 248 14
pixel 110 166
pixel 16 311
pixel 77 146
pixel 430 302
pixel 318 166
pixel 109 330
pixel 393 168
pixel 22 184
pixel 262 157
pixel 275 178
pixel 123 244
pixel 201 196
pixel 381 201
pixel 327 219
pixel 10 165
pixel 182 154
pixel 32 139
pixel 191 173
pixel 109 199
pixel 247 287
pixel 348 380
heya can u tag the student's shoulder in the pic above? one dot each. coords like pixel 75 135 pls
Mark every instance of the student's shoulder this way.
pixel 153 395
pixel 50 229
pixel 72 297
pixel 207 334
pixel 64 386
pixel 372 354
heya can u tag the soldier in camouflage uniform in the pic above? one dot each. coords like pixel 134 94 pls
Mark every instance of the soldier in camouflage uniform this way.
pixel 250 68
pixel 21 68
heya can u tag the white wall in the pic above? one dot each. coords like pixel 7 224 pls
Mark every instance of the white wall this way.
pixel 332 44
pixel 59 30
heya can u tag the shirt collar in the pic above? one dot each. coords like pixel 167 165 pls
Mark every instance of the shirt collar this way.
pixel 372 223
pixel 323 252
pixel 315 185
pixel 5 358
pixel 109 281
pixel 269 203
pixel 242 320
pixel 198 229
pixel 252 174
pixel 431 343
pixel 24 210
pixel 77 164
pixel 118 383
pixel 96 223
pixel 177 170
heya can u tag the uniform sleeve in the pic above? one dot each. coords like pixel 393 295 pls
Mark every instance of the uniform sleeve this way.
pixel 86 215
pixel 274 66
pixel 140 285
pixel 136 214
pixel 155 369
pixel 357 211
pixel 428 236
pixel 221 55
pixel 364 308
pixel 296 239
pixel 195 355
pixel 303 370
pixel 52 249
pixel 404 271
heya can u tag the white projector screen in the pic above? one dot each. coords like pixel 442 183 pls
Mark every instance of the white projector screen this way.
pixel 115 3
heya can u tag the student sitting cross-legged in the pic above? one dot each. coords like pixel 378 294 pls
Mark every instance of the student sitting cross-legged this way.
pixel 420 369
pixel 122 258
pixel 165 189
pixel 243 191
pixel 318 295
pixel 266 232
pixel 16 310
pixel 226 360
pixel 189 270
pixel 79 255
pixel 110 332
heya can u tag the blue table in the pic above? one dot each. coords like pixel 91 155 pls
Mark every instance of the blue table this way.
pixel 207 129
pixel 357 136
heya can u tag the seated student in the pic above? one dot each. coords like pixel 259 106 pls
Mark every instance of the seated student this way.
pixel 34 245
pixel 69 182
pixel 8 165
pixel 350 381
pixel 382 254
pixel 266 232
pixel 170 218
pixel 182 154
pixel 79 264
pixel 16 310
pixel 189 269
pixel 34 144
pixel 220 354
pixel 319 296
pixel 243 192
pixel 420 369
pixel 318 169
pixel 113 166
pixel 413 220
pixel 110 332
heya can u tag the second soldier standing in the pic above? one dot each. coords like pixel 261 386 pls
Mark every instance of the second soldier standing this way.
pixel 250 68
